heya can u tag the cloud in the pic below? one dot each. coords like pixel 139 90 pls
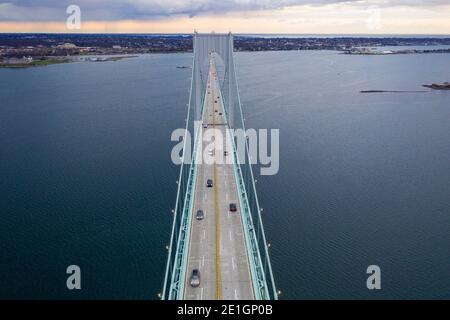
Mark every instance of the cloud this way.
pixel 54 10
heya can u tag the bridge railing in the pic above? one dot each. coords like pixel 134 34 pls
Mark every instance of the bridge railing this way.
pixel 175 266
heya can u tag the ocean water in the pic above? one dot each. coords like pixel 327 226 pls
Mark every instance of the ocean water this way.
pixel 86 176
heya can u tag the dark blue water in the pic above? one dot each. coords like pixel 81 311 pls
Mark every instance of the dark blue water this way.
pixel 86 176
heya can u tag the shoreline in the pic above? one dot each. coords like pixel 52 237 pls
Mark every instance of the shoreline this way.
pixel 50 60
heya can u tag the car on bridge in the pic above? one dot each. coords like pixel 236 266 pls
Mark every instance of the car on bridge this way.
pixel 233 207
pixel 195 278
pixel 209 183
pixel 200 215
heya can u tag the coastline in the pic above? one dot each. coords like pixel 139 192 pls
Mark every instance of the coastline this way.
pixel 47 60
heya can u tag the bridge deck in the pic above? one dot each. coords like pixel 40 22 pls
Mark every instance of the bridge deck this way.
pixel 216 243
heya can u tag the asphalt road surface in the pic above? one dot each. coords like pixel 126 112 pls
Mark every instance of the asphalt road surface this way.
pixel 217 244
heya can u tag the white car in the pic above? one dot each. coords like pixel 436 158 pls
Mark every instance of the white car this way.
pixel 211 152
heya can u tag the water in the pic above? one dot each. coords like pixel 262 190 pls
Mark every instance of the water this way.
pixel 398 48
pixel 364 179
pixel 277 35
pixel 87 177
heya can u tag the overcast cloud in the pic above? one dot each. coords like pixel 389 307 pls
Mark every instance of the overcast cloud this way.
pixel 54 10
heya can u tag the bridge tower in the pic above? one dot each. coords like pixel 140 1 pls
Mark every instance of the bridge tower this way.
pixel 222 46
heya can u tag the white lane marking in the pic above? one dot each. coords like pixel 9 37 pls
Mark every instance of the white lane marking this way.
pixel 201 294
pixel 233 263
pixel 235 294
pixel 203 261
pixel 204 234
pixel 231 237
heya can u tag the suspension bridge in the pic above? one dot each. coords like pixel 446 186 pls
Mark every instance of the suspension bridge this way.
pixel 218 248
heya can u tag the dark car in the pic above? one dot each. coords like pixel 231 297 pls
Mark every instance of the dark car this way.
pixel 233 207
pixel 225 153
pixel 209 183
pixel 200 215
pixel 195 278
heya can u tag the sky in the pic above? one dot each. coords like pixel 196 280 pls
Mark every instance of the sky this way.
pixel 238 16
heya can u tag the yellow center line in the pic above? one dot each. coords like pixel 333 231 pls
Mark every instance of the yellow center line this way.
pixel 216 212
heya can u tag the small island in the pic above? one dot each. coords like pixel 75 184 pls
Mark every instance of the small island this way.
pixel 375 52
pixel 435 86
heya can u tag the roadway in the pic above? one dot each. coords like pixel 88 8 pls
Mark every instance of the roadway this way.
pixel 217 243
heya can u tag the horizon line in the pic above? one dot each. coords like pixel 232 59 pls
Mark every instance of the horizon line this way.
pixel 238 34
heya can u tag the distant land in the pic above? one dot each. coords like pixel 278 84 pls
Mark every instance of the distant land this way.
pixel 437 86
pixel 48 60
pixel 26 49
